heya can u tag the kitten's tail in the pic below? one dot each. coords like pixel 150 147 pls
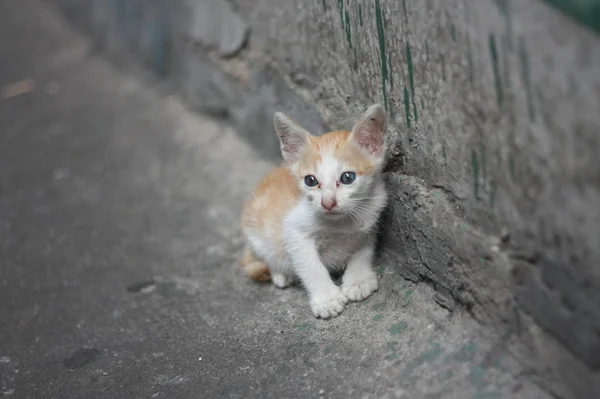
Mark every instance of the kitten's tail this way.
pixel 255 268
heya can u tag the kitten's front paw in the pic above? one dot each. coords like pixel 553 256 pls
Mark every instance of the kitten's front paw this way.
pixel 281 280
pixel 358 290
pixel 329 304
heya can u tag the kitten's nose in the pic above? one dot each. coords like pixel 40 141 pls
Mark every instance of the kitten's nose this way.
pixel 328 204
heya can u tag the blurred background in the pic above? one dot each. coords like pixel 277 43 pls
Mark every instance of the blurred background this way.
pixel 132 130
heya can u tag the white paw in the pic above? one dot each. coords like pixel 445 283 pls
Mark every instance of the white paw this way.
pixel 281 280
pixel 360 289
pixel 328 304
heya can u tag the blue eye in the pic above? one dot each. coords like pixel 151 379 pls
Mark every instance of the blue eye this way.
pixel 348 177
pixel 310 181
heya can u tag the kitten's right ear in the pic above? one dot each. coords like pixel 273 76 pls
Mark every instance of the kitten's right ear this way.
pixel 293 139
pixel 369 131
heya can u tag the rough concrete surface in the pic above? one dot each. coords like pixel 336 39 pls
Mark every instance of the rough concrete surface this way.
pixel 494 122
pixel 119 244
pixel 494 114
pixel 494 159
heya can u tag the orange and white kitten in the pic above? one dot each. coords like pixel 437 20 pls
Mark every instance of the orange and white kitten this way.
pixel 318 212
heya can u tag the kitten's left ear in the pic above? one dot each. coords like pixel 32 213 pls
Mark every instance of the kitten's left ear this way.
pixel 369 132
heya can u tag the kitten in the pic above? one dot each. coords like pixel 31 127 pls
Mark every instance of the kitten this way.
pixel 318 212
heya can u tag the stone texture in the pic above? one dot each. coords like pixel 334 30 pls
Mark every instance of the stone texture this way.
pixel 268 93
pixel 119 250
pixel 204 86
pixel 215 24
pixel 494 167
pixel 497 133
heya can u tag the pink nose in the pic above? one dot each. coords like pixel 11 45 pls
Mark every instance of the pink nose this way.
pixel 328 204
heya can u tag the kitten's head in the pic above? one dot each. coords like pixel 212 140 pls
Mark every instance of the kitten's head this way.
pixel 336 171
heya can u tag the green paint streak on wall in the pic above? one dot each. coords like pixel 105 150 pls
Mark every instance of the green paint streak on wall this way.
pixel 411 76
pixel 377 317
pixel 405 12
pixel 470 62
pixel 475 167
pixel 507 70
pixel 341 10
pixel 385 96
pixel 355 64
pixel 391 73
pixel 585 11
pixel 415 111
pixel 407 106
pixel 495 66
pixel 381 35
pixel 411 79
pixel 348 28
pixel 360 18
pixel 504 7
pixel 526 72
pixel 426 51
pixel 398 328
pixel 325 5
pixel 443 63
pixel 453 32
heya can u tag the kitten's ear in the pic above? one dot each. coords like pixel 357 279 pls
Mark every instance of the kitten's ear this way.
pixel 369 131
pixel 293 139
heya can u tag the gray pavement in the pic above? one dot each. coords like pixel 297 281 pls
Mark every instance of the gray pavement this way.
pixel 119 243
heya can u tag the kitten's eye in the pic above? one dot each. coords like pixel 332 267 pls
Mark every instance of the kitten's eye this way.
pixel 310 181
pixel 348 177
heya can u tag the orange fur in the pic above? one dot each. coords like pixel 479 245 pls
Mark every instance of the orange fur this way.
pixel 254 267
pixel 338 142
pixel 278 193
pixel 274 197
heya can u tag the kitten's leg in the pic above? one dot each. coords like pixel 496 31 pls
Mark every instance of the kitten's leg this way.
pixel 280 280
pixel 359 280
pixel 326 299
pixel 254 267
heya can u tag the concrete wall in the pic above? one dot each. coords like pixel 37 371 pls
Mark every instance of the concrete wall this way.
pixel 495 126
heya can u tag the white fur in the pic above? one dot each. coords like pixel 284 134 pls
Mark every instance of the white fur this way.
pixel 317 244
pixel 359 280
pixel 281 280
pixel 317 241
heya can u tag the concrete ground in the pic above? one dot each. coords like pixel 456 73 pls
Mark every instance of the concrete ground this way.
pixel 119 243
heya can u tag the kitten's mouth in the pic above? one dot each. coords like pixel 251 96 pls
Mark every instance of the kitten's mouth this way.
pixel 334 213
